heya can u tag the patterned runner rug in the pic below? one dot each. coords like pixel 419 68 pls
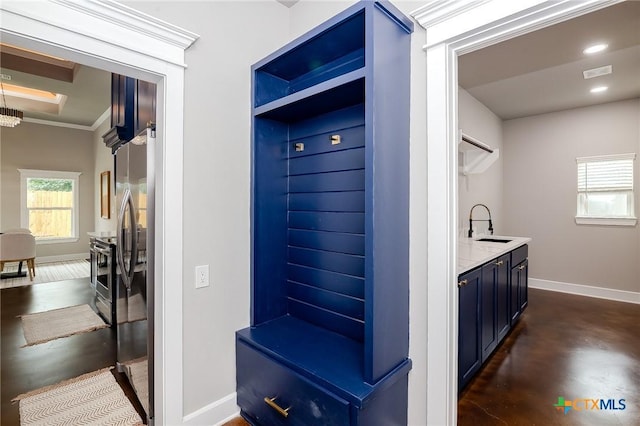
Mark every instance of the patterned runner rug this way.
pixel 91 399
pixel 49 325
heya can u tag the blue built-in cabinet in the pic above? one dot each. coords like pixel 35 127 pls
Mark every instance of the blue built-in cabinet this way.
pixel 329 336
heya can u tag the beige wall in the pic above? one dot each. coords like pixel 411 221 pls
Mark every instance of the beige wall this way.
pixel 479 122
pixel 103 161
pixel 540 194
pixel 41 147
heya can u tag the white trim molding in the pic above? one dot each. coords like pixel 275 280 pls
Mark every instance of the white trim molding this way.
pixel 452 29
pixel 225 408
pixel 116 38
pixel 608 221
pixel 586 290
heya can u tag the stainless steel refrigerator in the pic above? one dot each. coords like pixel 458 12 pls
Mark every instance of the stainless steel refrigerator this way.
pixel 134 174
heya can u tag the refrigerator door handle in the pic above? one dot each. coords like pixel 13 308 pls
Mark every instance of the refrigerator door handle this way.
pixel 127 276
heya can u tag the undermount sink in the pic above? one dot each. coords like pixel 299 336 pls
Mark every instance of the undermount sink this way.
pixel 494 240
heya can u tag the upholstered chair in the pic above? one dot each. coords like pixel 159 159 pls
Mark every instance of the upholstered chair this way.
pixel 18 246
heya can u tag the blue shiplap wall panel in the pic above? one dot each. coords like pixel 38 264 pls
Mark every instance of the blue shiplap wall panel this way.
pixel 342 304
pixel 321 240
pixel 347 326
pixel 327 221
pixel 333 281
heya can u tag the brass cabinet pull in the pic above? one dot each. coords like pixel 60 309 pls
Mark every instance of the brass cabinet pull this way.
pixel 500 263
pixel 521 267
pixel 462 283
pixel 271 402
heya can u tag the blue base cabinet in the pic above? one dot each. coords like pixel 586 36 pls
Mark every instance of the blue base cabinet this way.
pixel 329 335
pixel 491 299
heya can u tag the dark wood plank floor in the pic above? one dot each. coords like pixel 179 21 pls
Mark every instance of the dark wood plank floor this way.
pixel 23 369
pixel 564 346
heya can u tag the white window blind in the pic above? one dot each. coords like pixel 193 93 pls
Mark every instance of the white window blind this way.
pixel 605 186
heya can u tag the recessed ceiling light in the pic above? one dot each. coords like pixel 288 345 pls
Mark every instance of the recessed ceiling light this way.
pixel 595 48
pixel 599 89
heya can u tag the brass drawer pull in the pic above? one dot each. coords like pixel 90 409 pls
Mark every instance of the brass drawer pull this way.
pixel 271 402
pixel 500 263
pixel 462 283
pixel 521 267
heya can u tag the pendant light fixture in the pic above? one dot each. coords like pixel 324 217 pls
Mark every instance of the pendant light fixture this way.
pixel 9 117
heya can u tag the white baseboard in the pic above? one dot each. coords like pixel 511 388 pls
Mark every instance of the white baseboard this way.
pixel 216 413
pixel 61 257
pixel 586 290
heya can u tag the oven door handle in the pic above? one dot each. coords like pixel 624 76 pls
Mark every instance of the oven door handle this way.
pixel 106 252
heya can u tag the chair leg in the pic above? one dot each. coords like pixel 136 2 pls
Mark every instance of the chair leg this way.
pixel 1 266
pixel 31 268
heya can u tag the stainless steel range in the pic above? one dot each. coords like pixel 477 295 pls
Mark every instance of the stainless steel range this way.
pixel 103 274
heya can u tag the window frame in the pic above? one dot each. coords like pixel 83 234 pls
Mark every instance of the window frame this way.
pixel 630 219
pixel 26 174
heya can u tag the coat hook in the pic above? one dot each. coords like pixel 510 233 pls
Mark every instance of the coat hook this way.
pixel 335 139
pixel 299 146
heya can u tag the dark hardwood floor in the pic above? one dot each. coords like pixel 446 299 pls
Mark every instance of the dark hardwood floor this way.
pixel 564 346
pixel 23 369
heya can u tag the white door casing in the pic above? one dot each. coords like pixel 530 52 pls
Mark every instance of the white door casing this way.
pixel 110 36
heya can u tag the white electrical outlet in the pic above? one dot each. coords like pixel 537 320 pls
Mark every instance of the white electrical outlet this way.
pixel 202 276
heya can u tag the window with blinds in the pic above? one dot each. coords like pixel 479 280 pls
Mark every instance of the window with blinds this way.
pixel 605 187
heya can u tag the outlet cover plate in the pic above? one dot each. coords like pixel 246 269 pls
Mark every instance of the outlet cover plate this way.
pixel 202 276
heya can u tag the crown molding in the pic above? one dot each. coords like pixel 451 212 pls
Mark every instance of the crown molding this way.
pixel 104 116
pixel 108 21
pixel 133 20
pixel 436 11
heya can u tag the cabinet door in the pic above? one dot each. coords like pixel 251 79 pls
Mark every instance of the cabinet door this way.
pixel 519 289
pixel 502 306
pixel 145 105
pixel 488 309
pixel 468 326
pixel 523 285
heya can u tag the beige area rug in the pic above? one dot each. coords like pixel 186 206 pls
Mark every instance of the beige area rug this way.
pixel 49 325
pixel 48 272
pixel 139 374
pixel 91 399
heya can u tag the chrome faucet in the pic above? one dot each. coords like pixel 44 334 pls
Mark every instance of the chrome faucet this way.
pixel 471 220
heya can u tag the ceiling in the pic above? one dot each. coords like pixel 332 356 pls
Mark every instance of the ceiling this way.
pixel 74 94
pixel 536 73
pixel 541 71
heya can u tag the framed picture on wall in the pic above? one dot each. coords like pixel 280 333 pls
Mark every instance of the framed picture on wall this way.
pixel 105 194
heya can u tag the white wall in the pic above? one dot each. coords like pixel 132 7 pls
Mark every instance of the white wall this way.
pixel 42 147
pixel 540 194
pixel 103 161
pixel 477 121
pixel 217 125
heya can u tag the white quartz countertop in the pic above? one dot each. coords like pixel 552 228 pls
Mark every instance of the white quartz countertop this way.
pixel 473 253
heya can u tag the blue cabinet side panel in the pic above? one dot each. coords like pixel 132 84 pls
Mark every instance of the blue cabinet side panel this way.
pixel 269 198
pixel 488 309
pixel 387 179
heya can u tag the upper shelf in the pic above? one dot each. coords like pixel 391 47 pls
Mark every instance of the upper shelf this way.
pixel 476 160
pixel 334 52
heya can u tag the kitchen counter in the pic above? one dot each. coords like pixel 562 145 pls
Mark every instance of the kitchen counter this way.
pixel 473 253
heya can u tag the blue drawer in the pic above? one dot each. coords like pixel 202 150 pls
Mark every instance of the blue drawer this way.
pixel 260 377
